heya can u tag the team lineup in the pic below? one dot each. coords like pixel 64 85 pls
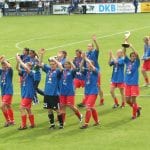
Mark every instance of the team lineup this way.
pixel 64 76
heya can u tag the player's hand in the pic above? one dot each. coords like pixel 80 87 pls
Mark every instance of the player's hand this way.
pixel 2 58
pixel 94 37
pixel 110 53
pixel 17 57
pixel 70 60
pixel 83 55
pixel 59 54
pixel 131 46
pixel 42 51
pixel 51 58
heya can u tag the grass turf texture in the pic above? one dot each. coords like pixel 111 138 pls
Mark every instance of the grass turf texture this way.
pixel 117 131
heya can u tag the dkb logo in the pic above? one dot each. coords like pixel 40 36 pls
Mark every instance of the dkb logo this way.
pixel 107 8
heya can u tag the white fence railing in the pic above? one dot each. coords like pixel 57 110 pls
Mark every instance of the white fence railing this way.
pixel 105 8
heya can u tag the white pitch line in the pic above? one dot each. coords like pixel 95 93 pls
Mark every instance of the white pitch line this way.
pixel 44 37
pixel 10 58
pixel 78 42
pixel 104 36
pixel 17 45
pixel 142 95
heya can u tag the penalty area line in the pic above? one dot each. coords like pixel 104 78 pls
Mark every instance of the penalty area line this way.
pixel 17 45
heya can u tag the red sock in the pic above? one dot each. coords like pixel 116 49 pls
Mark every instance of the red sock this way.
pixel 87 116
pixel 78 114
pixel 134 109
pixel 24 121
pixel 102 101
pixel 31 119
pixel 10 115
pixel 6 116
pixel 146 80
pixel 95 115
pixel 116 101
pixel 84 101
pixel 64 117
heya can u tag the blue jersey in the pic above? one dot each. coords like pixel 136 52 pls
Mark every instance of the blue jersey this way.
pixel 6 81
pixel 132 73
pixel 27 84
pixel 79 75
pixel 146 51
pixel 66 83
pixel 93 55
pixel 62 61
pixel 118 71
pixel 91 78
pixel 36 69
pixel 25 58
pixel 52 81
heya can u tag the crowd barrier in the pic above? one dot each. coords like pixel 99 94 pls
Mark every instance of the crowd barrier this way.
pixel 99 8
pixel 105 8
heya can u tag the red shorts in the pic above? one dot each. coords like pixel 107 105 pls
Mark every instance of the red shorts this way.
pixel 90 100
pixel 131 90
pixel 26 103
pixel 146 65
pixel 7 99
pixel 79 83
pixel 117 85
pixel 99 80
pixel 67 100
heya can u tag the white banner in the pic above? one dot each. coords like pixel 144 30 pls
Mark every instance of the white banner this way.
pixel 91 8
pixel 60 9
pixel 126 8
pixel 100 8
pixel 63 9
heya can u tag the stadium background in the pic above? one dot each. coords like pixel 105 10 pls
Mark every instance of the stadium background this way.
pixel 30 7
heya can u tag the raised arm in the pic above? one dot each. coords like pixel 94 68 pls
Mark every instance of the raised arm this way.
pixel 110 57
pixel 83 60
pixel 58 63
pixel 41 53
pixel 149 41
pixel 3 59
pixel 72 64
pixel 124 51
pixel 95 42
pixel 22 63
pixel 90 63
pixel 18 67
pixel 133 49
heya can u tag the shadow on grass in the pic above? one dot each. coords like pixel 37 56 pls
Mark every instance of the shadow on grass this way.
pixel 42 129
pixel 103 112
pixel 118 123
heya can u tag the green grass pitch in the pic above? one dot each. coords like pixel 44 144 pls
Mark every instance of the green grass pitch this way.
pixel 117 131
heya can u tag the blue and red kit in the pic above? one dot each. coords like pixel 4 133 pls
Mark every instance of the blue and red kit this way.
pixel 118 71
pixel 52 81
